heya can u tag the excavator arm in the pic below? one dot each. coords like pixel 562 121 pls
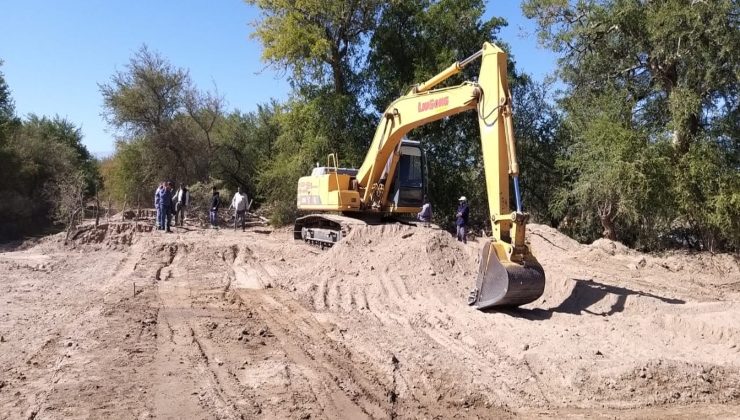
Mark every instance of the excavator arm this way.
pixel 490 98
pixel 509 275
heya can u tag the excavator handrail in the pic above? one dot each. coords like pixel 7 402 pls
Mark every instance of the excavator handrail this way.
pixel 329 158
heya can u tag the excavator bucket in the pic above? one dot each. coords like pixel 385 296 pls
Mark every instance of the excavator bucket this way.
pixel 506 283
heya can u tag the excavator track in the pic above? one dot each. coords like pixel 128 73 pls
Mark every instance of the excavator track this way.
pixel 324 230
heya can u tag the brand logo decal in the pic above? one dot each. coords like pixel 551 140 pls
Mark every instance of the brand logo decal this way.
pixel 432 104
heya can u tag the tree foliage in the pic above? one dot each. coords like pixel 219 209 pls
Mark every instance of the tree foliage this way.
pixel 318 42
pixel 676 59
pixel 46 174
pixel 153 103
pixel 405 43
pixel 417 39
pixel 652 97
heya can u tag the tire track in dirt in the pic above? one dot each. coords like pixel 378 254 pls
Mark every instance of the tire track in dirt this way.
pixel 342 390
pixel 331 340
pixel 197 392
pixel 62 362
pixel 338 338
pixel 206 355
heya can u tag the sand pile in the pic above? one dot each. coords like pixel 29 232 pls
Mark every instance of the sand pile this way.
pixel 389 265
pixel 107 235
pixel 394 263
pixel 402 290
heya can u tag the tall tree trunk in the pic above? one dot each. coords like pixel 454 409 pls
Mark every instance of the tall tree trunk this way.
pixel 683 134
pixel 340 86
pixel 606 217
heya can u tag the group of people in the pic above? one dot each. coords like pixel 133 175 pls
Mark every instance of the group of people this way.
pixel 168 203
pixel 461 216
pixel 239 202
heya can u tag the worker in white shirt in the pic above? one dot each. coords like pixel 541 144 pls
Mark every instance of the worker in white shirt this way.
pixel 425 215
pixel 240 203
pixel 182 200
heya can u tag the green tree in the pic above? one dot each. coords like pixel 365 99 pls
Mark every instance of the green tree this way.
pixel 417 39
pixel 60 130
pixel 7 108
pixel 616 174
pixel 246 146
pixel 321 45
pixel 51 172
pixel 46 171
pixel 129 174
pixel 677 59
pixel 8 123
pixel 639 75
pixel 708 190
pixel 156 106
pixel 540 140
pixel 318 42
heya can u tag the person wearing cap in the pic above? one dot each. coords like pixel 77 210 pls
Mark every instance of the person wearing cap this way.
pixel 462 219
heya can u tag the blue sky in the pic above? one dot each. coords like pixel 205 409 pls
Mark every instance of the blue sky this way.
pixel 56 53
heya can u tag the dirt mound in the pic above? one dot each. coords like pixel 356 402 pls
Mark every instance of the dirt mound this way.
pixel 388 265
pixel 108 235
pixel 605 310
pixel 394 263
pixel 543 237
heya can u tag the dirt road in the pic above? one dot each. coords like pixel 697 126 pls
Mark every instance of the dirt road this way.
pixel 129 323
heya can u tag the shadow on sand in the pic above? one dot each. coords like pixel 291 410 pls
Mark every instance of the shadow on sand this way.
pixel 585 294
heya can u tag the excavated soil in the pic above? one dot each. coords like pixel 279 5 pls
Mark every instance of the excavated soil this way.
pixel 120 321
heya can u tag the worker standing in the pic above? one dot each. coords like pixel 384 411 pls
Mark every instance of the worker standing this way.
pixel 182 201
pixel 425 215
pixel 165 207
pixel 215 204
pixel 462 219
pixel 239 203
pixel 157 201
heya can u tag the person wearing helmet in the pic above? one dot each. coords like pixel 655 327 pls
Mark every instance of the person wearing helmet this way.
pixel 462 219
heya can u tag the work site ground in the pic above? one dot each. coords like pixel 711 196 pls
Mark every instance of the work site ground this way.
pixel 125 322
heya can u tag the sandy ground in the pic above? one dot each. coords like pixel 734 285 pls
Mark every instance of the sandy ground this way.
pixel 123 322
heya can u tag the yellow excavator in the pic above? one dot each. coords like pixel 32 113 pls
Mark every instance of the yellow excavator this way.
pixel 391 181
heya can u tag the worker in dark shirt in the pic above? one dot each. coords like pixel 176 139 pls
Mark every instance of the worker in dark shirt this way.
pixel 165 206
pixel 462 219
pixel 215 205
